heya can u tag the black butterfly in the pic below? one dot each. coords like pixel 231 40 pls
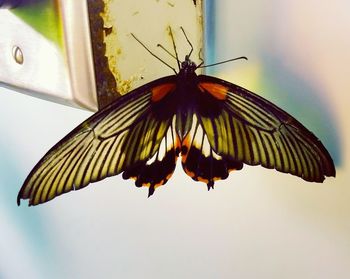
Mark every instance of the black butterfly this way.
pixel 215 126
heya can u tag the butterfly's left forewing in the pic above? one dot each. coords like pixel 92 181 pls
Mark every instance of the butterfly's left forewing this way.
pixel 134 134
pixel 242 127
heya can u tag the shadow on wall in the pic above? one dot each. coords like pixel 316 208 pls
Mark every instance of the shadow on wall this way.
pixel 302 100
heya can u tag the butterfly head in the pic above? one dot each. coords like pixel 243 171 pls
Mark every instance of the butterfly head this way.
pixel 188 66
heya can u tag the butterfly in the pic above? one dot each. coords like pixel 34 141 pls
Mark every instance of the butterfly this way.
pixel 213 125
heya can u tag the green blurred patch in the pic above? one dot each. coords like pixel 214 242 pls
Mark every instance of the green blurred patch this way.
pixel 43 16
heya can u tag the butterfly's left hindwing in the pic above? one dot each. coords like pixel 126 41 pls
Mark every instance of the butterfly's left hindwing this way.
pixel 133 133
pixel 200 161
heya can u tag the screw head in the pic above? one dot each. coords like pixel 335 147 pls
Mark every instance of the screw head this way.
pixel 17 55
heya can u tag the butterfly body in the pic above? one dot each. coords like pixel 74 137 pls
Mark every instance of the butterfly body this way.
pixel 180 98
pixel 213 125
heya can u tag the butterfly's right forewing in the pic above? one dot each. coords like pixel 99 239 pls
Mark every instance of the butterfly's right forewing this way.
pixel 125 134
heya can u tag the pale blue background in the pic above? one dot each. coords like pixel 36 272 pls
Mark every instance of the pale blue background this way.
pixel 256 224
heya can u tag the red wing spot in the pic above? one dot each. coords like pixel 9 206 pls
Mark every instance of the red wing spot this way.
pixel 160 91
pixel 168 177
pixel 190 173
pixel 206 181
pixel 185 147
pixel 218 91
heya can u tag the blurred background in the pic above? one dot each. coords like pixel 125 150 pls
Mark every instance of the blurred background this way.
pixel 256 224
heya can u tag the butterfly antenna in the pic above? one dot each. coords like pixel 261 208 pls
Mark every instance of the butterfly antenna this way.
pixel 167 51
pixel 161 60
pixel 172 39
pixel 188 41
pixel 222 62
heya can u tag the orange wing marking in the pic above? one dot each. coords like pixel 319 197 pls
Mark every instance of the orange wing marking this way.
pixel 218 91
pixel 160 91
